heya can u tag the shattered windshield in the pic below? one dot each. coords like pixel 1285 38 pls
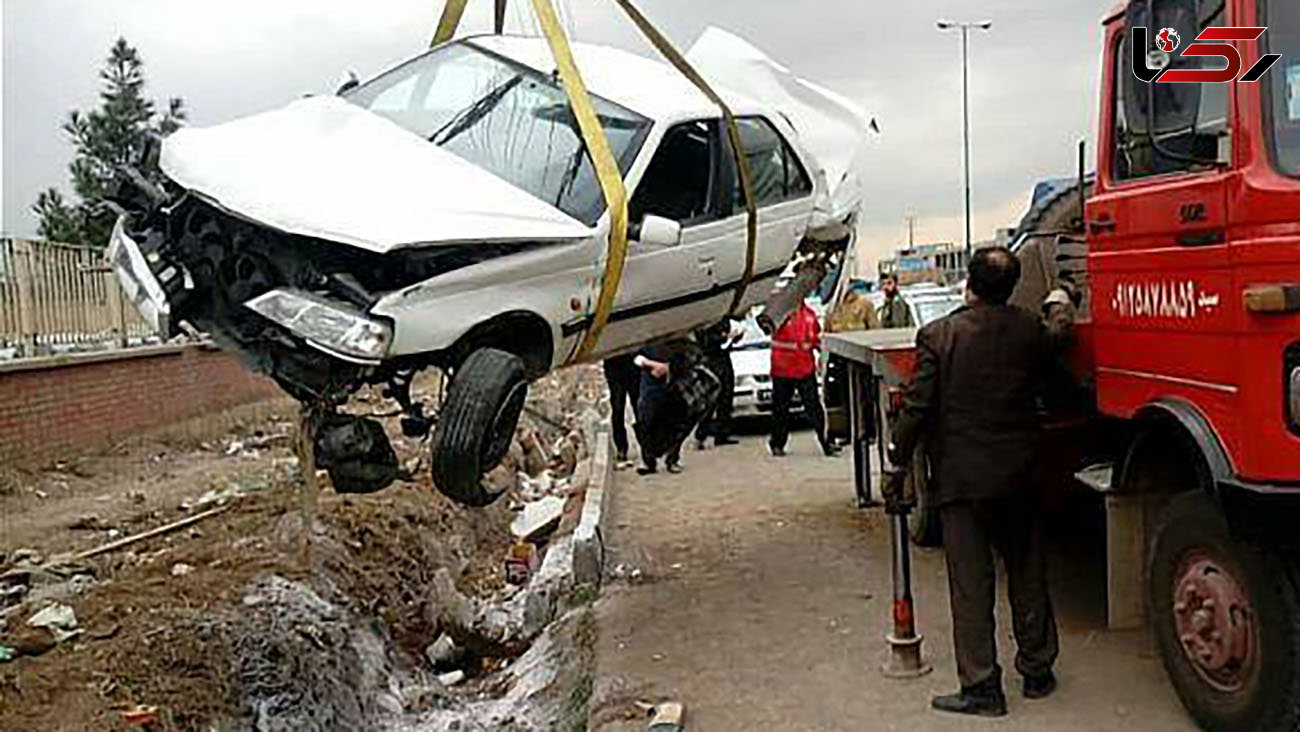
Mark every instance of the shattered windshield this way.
pixel 1283 83
pixel 507 119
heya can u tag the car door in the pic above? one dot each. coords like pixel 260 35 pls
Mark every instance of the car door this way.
pixel 783 195
pixel 1158 234
pixel 671 289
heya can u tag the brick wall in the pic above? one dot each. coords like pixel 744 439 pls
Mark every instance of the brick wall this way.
pixel 74 404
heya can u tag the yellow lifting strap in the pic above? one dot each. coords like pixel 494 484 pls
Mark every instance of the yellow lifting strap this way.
pixel 449 21
pixel 665 47
pixel 593 135
pixel 611 180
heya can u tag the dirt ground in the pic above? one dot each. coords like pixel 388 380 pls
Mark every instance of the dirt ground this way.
pixel 199 621
pixel 750 589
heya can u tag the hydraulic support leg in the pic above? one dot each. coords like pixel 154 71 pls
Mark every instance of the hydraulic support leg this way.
pixel 905 660
pixel 862 407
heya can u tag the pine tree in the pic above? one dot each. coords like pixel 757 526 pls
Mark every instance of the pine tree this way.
pixel 105 138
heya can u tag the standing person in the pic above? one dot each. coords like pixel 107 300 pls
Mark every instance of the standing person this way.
pixel 894 312
pixel 624 381
pixel 978 371
pixel 854 312
pixel 715 341
pixel 661 413
pixel 794 368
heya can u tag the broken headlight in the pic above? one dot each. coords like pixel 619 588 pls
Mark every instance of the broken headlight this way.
pixel 325 325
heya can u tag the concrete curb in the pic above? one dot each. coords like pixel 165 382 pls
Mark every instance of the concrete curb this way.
pixel 588 538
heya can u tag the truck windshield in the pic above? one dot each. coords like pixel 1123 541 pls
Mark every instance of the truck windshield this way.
pixel 1282 84
pixel 506 118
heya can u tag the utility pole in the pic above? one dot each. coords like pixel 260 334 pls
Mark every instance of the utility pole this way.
pixel 911 232
pixel 965 104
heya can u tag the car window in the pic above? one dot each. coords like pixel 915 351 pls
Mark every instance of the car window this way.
pixel 1168 128
pixel 775 171
pixel 928 311
pixel 506 118
pixel 677 182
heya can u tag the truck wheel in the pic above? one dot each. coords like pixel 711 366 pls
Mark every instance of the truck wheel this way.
pixel 1226 619
pixel 477 423
pixel 923 523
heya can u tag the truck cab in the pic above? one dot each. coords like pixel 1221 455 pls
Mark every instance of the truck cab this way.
pixel 1194 237
pixel 1193 299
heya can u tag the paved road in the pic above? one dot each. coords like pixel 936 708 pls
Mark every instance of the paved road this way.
pixel 764 601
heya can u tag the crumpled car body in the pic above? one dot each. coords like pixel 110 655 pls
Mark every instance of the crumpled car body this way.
pixel 449 205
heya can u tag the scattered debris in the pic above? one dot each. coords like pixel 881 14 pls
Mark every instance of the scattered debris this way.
pixel 224 496
pixel 173 526
pixel 667 717
pixel 140 716
pixel 7 654
pixel 32 641
pixel 627 572
pixel 451 678
pixel 180 569
pixel 538 518
pixel 521 562
pixel 59 619
pixel 89 522
pixel 443 653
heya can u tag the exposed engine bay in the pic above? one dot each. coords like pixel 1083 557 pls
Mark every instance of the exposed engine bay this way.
pixel 215 266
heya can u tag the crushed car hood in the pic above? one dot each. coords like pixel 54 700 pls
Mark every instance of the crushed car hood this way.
pixel 325 168
pixel 831 128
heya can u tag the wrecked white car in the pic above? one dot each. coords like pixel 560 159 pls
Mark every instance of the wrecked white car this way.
pixel 446 214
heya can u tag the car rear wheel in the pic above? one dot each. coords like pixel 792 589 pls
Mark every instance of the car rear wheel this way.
pixel 478 422
pixel 1226 620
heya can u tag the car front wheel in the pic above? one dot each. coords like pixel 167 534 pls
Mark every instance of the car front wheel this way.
pixel 478 421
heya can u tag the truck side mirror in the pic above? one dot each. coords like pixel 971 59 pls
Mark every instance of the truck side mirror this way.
pixel 657 231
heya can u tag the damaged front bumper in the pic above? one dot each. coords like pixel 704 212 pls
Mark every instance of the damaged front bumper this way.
pixel 139 282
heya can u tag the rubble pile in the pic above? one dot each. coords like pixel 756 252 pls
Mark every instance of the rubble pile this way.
pixel 408 612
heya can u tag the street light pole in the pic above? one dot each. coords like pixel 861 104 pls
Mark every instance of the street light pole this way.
pixel 965 107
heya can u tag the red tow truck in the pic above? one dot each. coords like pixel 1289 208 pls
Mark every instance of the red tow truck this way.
pixel 1184 254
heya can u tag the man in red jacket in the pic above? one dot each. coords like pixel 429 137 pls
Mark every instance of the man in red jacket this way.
pixel 794 368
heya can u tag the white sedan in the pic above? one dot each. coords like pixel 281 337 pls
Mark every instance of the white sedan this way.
pixel 446 214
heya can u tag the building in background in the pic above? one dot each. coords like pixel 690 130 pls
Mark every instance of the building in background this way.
pixel 942 263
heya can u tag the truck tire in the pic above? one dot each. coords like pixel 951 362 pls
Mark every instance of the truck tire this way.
pixel 1227 620
pixel 478 422
pixel 923 523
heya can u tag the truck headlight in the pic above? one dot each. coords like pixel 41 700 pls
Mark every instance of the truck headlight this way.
pixel 325 325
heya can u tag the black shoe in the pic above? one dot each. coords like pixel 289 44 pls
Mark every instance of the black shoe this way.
pixel 699 445
pixel 830 450
pixel 649 468
pixel 1038 687
pixel 675 468
pixel 776 451
pixel 720 441
pixel 969 701
pixel 621 457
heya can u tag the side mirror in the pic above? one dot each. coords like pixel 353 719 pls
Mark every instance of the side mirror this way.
pixel 658 231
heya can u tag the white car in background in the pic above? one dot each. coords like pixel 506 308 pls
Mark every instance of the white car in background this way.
pixel 447 215
pixel 928 303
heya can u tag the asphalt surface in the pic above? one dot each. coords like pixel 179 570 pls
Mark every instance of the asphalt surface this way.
pixel 751 589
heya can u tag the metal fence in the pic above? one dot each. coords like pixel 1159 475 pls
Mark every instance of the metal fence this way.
pixel 58 298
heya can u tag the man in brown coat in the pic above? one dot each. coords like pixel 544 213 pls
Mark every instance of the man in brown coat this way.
pixel 978 373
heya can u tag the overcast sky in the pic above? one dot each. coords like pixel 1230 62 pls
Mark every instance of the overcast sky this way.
pixel 1033 79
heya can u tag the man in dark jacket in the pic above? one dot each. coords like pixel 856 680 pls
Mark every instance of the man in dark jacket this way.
pixel 715 341
pixel 978 373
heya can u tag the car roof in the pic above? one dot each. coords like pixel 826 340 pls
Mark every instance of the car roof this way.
pixel 649 87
